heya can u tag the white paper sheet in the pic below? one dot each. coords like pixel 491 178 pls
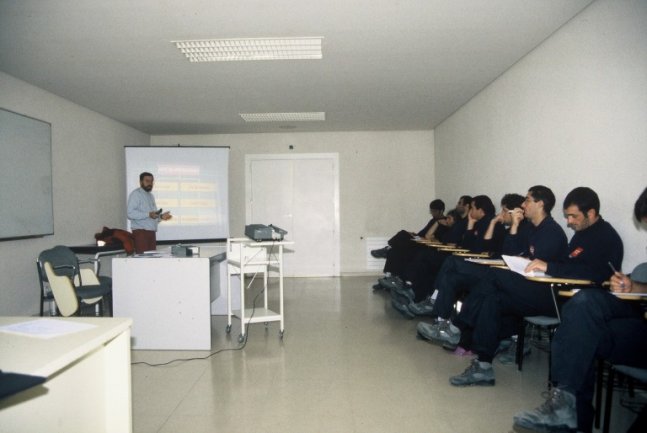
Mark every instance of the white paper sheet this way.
pixel 46 328
pixel 518 265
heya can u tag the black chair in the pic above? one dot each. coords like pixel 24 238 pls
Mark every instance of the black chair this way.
pixel 625 371
pixel 86 283
pixel 549 322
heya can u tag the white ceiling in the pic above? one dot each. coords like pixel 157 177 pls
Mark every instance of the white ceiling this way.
pixel 387 64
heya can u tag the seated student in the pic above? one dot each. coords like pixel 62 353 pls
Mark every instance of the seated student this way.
pixel 436 209
pixel 504 292
pixel 396 262
pixel 401 247
pixel 442 232
pixel 423 270
pixel 545 239
pixel 455 268
pixel 595 324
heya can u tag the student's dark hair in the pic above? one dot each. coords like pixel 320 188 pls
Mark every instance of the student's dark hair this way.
pixel 454 214
pixel 437 204
pixel 465 199
pixel 584 198
pixel 512 201
pixel 484 203
pixel 543 193
pixel 143 175
pixel 640 208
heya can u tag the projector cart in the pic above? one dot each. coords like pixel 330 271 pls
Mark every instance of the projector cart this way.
pixel 247 256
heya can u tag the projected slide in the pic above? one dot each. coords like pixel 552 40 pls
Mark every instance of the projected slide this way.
pixel 191 183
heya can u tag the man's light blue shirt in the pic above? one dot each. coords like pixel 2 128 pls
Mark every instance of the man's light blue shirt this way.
pixel 140 204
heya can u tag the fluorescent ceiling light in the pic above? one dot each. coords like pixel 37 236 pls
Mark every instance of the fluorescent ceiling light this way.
pixel 284 117
pixel 223 50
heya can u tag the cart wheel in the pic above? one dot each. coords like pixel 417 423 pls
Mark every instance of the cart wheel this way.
pixel 281 334
pixel 241 338
pixel 228 329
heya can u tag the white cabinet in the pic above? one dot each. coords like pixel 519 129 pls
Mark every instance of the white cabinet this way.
pixel 169 299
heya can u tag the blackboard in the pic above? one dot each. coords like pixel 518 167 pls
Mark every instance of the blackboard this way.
pixel 26 202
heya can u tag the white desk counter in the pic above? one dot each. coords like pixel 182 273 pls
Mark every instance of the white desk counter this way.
pixel 169 299
pixel 88 385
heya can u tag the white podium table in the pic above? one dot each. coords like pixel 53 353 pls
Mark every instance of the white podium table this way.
pixel 169 299
pixel 88 387
pixel 245 255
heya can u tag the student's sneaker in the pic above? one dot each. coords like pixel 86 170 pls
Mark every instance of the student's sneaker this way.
pixel 385 282
pixel 380 253
pixel 557 413
pixel 422 308
pixel 396 285
pixel 390 282
pixel 509 355
pixel 476 374
pixel 441 331
pixel 402 308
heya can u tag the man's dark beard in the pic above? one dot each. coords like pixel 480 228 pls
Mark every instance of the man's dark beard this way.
pixel 148 188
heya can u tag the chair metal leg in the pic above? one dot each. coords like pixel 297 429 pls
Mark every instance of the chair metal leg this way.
pixel 598 392
pixel 608 401
pixel 521 336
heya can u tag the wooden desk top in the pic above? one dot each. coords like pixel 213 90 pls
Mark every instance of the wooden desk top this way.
pixel 567 281
pixel 453 250
pixel 473 255
pixel 625 296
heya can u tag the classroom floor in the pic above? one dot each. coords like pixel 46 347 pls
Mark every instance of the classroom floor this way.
pixel 347 363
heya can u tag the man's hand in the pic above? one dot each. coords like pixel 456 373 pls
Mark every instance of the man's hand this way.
pixel 166 216
pixel 620 283
pixel 153 214
pixel 537 265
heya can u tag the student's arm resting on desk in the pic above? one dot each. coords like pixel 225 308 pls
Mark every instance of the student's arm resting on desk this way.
pixel 569 270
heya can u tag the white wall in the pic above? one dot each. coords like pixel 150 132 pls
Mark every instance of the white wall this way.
pixel 573 112
pixel 88 181
pixel 386 179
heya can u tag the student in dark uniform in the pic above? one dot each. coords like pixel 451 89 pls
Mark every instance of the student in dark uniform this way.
pixel 545 239
pixel 457 274
pixel 421 273
pixel 595 324
pixel 504 292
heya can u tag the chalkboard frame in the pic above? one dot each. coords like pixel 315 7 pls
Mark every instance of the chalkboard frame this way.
pixel 26 177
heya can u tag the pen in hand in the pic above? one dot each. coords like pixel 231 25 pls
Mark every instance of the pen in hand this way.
pixel 613 269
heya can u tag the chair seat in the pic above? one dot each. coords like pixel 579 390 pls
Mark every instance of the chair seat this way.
pixel 542 320
pixel 92 291
pixel 637 373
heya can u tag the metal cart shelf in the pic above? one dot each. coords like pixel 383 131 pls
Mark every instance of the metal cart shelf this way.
pixel 246 256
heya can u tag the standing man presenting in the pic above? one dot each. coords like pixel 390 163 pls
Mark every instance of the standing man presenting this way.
pixel 144 215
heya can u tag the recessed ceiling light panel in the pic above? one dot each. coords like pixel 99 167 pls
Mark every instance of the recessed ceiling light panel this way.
pixel 284 117
pixel 223 50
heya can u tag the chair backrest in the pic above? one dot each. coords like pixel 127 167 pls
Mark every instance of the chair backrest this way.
pixel 62 259
pixel 63 290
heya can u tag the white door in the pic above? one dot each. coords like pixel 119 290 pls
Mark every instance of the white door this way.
pixel 298 193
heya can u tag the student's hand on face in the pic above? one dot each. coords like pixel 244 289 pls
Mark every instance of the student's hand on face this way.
pixel 620 283
pixel 517 215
